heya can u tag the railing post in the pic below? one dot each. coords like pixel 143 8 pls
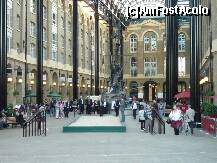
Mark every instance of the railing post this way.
pixel 45 124
pixel 32 127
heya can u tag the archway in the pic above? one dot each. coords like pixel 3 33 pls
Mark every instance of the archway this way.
pixel 133 89
pixel 150 90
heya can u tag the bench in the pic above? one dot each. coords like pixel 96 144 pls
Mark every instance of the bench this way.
pixel 11 121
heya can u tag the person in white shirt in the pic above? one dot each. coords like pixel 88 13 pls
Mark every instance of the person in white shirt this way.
pixel 134 108
pixel 142 118
pixel 175 117
pixel 190 113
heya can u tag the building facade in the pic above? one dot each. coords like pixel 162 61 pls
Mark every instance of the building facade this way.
pixel 57 49
pixel 208 58
pixel 145 58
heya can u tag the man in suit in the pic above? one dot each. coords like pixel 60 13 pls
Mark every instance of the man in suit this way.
pixel 81 105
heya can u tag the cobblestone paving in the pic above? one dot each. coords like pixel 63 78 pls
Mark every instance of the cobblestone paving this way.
pixel 133 146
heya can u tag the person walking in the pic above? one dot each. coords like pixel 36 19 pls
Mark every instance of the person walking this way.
pixel 190 113
pixel 134 107
pixel 117 106
pixel 66 109
pixel 175 117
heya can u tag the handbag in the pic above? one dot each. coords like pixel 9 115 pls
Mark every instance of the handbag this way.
pixel 168 121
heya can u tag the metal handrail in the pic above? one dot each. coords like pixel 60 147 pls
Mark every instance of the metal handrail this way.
pixel 36 125
pixel 161 121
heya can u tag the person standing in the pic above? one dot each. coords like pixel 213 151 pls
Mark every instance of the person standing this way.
pixel 148 119
pixel 81 105
pixel 57 108
pixel 175 117
pixel 66 109
pixel 134 107
pixel 142 118
pixel 161 109
pixel 190 113
pixel 117 106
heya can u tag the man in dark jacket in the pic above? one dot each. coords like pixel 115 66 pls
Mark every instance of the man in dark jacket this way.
pixel 81 105
pixel 117 106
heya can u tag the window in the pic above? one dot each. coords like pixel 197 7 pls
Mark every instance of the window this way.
pixel 70 44
pixel 54 55
pixel 9 14
pixel 150 67
pixel 54 38
pixel 181 67
pixel 63 60
pixel 69 26
pixel 181 86
pixel 133 67
pixel 32 50
pixel 62 22
pixel 44 34
pixel 70 60
pixel 133 43
pixel 150 42
pixel 62 41
pixel 33 6
pixel 181 40
pixel 9 43
pixel 18 48
pixel 165 42
pixel 54 18
pixel 18 22
pixel 44 12
pixel 44 53
pixel 32 29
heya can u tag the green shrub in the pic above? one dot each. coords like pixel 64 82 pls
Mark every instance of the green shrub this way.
pixel 209 109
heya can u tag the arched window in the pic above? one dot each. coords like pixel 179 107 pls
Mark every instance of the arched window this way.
pixel 133 67
pixel 181 86
pixel 150 42
pixel 133 43
pixel 181 42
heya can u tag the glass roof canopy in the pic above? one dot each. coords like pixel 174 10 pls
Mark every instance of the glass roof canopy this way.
pixel 121 6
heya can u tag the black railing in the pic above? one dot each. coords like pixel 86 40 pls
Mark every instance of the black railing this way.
pixel 36 125
pixel 158 123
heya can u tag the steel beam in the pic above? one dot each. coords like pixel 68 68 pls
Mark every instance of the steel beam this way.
pixel 97 48
pixel 39 87
pixel 3 54
pixel 195 62
pixel 171 54
pixel 75 49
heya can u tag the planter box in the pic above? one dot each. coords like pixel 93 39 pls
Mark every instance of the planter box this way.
pixel 209 124
pixel 213 116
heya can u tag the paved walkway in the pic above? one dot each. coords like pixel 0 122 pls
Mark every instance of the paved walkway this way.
pixel 133 146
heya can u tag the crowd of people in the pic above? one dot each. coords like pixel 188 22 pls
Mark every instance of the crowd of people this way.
pixel 182 118
pixel 60 108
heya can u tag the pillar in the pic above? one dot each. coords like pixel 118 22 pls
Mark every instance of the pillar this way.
pixel 195 63
pixel 96 48
pixel 39 86
pixel 171 54
pixel 3 54
pixel 75 49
